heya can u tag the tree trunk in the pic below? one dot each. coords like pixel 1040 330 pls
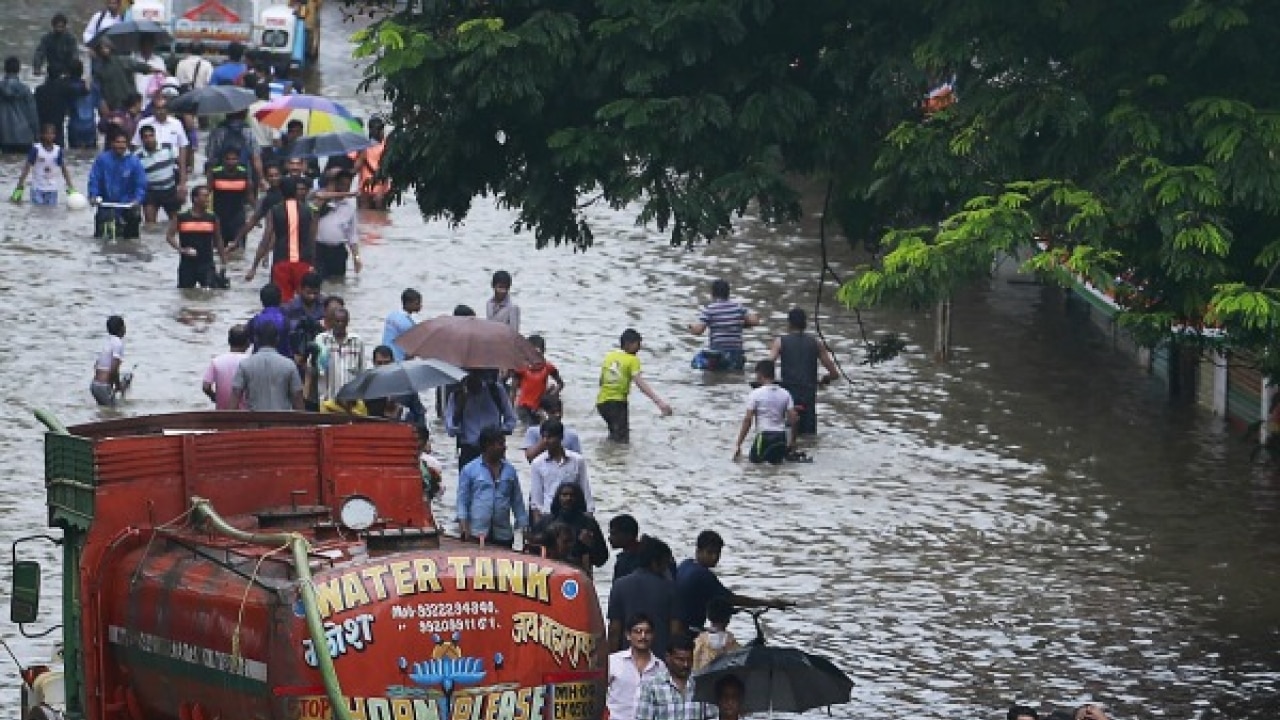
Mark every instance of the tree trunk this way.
pixel 942 331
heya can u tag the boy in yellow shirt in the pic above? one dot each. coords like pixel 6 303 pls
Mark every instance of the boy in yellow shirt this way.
pixel 620 368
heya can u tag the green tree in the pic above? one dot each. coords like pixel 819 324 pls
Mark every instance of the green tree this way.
pixel 1136 140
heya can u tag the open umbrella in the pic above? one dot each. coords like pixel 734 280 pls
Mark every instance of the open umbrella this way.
pixel 469 342
pixel 403 378
pixel 776 679
pixel 329 144
pixel 213 100
pixel 317 114
pixel 126 35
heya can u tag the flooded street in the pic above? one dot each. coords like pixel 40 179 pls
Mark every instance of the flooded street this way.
pixel 1033 521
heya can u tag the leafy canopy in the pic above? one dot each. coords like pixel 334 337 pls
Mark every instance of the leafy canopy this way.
pixel 1133 143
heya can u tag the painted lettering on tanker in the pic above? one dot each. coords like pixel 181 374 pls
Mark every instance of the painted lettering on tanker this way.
pixel 562 641
pixel 573 701
pixel 407 578
pixel 352 634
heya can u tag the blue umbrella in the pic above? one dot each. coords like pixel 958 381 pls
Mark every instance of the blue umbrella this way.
pixel 213 100
pixel 403 378
pixel 329 144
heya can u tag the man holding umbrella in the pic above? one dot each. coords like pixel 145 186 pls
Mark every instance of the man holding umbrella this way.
pixel 114 74
pixel 480 403
pixel 697 584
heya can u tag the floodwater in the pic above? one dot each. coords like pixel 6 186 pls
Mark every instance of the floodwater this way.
pixel 1033 521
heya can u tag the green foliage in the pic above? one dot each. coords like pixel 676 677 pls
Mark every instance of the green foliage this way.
pixel 1132 143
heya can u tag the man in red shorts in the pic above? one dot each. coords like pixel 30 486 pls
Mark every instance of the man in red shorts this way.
pixel 290 236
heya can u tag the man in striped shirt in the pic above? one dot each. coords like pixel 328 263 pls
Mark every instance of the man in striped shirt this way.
pixel 170 133
pixel 160 162
pixel 340 360
pixel 724 320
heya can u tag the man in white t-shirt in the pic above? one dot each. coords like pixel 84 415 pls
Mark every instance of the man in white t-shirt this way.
pixel 170 133
pixel 109 15
pixel 771 410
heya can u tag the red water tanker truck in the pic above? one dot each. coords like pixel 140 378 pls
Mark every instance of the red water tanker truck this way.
pixel 236 566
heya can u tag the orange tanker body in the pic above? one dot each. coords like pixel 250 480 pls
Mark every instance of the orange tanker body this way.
pixel 172 617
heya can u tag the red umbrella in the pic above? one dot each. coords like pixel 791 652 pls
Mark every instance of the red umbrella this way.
pixel 469 342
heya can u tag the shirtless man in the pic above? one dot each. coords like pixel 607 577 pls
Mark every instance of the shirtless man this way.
pixel 108 381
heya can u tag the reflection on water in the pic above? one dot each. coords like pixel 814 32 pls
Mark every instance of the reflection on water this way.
pixel 1032 521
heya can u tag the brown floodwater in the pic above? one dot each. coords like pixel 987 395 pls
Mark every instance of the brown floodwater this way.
pixel 1033 521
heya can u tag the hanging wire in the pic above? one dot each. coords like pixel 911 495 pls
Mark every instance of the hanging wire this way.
pixel 146 551
pixel 244 598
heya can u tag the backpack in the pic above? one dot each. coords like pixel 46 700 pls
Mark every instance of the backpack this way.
pixel 460 403
pixel 304 333
pixel 228 137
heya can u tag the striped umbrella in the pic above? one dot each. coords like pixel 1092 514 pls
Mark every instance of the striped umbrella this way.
pixel 318 114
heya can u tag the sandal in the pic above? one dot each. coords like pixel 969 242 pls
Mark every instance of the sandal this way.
pixel 798 456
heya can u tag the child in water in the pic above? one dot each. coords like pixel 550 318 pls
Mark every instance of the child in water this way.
pixel 46 166
pixel 533 384
pixel 717 640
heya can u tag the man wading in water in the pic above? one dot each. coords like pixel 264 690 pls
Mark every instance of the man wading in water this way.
pixel 800 354
pixel 195 235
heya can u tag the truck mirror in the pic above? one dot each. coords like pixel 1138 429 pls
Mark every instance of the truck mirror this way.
pixel 24 605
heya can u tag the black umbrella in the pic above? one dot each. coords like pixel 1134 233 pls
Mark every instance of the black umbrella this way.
pixel 403 378
pixel 329 144
pixel 125 36
pixel 213 100
pixel 776 678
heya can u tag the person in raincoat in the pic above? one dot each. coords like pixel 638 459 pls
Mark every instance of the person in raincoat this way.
pixel 19 122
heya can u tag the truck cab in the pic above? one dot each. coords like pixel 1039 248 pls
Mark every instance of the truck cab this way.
pixel 288 30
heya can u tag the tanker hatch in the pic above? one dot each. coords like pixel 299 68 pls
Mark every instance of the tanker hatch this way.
pixel 301 517
pixel 394 540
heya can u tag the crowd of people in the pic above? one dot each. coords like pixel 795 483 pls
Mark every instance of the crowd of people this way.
pixel 148 162
pixel 665 620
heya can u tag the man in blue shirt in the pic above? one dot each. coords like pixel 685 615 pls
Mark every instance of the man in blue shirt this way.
pixel 723 319
pixel 230 72
pixel 399 321
pixel 271 314
pixel 117 178
pixel 489 494
pixel 696 584
pixel 480 403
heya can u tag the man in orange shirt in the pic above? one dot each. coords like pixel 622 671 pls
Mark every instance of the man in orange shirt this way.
pixel 373 195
